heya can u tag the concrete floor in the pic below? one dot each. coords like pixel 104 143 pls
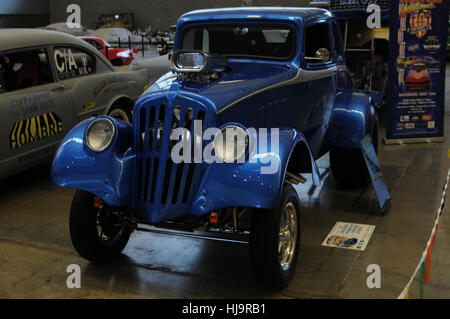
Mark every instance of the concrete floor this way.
pixel 35 247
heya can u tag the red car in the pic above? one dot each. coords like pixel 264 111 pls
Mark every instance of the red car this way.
pixel 418 78
pixel 117 56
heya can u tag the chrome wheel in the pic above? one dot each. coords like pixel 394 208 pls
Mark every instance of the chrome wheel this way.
pixel 287 239
pixel 98 232
pixel 109 227
pixel 275 240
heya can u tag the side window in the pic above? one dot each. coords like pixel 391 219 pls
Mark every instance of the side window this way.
pixel 337 47
pixel 89 41
pixel 97 45
pixel 195 39
pixel 72 62
pixel 24 69
pixel 94 43
pixel 316 40
pixel 242 41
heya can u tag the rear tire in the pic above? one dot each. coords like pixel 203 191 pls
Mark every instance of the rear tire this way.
pixel 275 241
pixel 91 243
pixel 348 165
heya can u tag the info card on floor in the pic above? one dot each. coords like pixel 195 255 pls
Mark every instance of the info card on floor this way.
pixel 349 236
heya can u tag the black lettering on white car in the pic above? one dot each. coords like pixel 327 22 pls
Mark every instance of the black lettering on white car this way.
pixel 34 129
pixel 72 62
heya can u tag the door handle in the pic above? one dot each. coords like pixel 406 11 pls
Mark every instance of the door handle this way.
pixel 58 88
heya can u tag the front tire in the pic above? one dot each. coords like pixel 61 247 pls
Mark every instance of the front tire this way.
pixel 121 113
pixel 97 234
pixel 275 241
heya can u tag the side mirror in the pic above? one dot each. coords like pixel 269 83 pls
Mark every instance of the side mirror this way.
pixel 323 54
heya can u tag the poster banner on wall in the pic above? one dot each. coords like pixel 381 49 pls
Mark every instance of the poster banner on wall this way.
pixel 417 57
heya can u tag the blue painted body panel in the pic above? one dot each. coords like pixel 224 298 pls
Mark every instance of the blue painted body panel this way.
pixel 136 173
pixel 107 174
pixel 227 185
pixel 348 126
pixel 154 200
pixel 246 77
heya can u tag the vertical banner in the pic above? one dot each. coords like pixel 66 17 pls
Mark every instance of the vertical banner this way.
pixel 417 56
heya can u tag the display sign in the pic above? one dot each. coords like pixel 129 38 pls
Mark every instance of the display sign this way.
pixel 417 55
pixel 374 168
pixel 349 236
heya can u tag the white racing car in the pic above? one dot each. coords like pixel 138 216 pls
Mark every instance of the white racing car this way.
pixel 50 81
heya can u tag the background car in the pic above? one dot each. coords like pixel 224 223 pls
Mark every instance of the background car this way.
pixel 418 78
pixel 50 81
pixel 116 34
pixel 117 56
pixel 62 27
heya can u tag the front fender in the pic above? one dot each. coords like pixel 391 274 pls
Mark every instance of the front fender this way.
pixel 245 184
pixel 107 175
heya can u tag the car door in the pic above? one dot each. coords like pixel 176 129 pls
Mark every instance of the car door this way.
pixel 34 109
pixel 319 85
pixel 90 82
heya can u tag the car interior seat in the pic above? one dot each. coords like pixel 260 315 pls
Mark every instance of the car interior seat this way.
pixel 28 75
pixel 287 47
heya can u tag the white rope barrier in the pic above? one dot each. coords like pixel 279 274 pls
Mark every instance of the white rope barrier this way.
pixel 405 293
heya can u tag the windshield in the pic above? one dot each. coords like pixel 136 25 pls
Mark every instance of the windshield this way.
pixel 248 41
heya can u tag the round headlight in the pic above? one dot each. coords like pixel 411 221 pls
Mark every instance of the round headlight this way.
pixel 230 144
pixel 99 134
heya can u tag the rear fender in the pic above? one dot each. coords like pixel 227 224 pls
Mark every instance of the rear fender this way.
pixel 246 184
pixel 108 174
pixel 353 113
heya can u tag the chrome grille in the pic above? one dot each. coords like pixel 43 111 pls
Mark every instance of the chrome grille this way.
pixel 163 188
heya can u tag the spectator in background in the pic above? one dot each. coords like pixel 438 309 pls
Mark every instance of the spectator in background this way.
pixel 246 3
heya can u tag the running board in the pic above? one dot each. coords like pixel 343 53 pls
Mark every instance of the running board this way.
pixel 151 229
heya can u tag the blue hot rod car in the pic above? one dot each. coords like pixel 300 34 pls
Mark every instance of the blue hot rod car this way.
pixel 276 73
